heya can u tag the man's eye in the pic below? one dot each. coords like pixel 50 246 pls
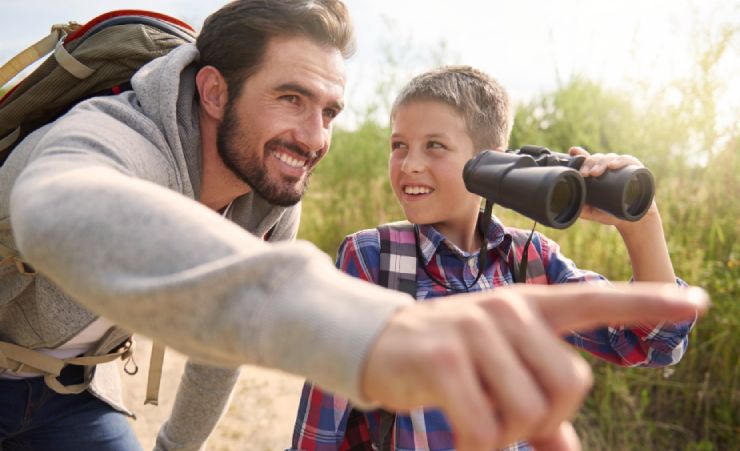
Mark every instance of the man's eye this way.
pixel 290 98
pixel 330 113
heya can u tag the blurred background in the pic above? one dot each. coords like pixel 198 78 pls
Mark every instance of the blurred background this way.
pixel 659 80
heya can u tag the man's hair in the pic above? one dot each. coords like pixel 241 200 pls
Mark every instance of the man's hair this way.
pixel 234 38
pixel 483 103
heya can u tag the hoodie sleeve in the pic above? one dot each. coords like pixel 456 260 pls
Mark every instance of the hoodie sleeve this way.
pixel 93 213
pixel 204 391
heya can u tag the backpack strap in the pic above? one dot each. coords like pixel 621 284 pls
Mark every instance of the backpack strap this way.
pixel 35 51
pixel 9 256
pixel 154 378
pixel 398 257
pixel 21 359
pixel 397 272
pixel 534 267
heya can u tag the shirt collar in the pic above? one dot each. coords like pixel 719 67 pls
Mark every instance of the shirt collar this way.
pixel 430 240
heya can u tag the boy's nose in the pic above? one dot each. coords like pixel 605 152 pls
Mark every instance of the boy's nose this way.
pixel 413 163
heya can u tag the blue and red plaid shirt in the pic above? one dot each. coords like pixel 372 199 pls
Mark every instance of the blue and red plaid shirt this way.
pixel 326 422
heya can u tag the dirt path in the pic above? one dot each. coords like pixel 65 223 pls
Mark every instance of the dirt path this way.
pixel 260 417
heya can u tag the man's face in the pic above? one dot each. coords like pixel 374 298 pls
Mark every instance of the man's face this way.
pixel 279 128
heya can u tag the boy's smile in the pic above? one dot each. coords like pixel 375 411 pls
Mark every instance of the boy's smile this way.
pixel 430 145
pixel 413 193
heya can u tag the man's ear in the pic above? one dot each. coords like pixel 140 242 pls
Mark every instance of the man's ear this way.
pixel 213 91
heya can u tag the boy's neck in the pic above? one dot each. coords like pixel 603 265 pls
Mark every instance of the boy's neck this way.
pixel 466 237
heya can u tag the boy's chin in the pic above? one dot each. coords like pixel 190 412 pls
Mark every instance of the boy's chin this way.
pixel 417 219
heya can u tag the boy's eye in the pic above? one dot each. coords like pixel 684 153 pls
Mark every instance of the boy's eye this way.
pixel 397 145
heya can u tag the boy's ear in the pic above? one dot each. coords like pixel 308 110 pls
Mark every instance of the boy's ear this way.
pixel 213 91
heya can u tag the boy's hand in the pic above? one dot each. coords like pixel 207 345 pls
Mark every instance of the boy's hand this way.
pixel 494 362
pixel 594 166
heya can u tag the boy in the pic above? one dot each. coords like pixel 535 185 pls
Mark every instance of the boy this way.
pixel 441 120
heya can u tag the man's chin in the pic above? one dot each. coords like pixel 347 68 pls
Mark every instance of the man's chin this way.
pixel 285 198
pixel 285 201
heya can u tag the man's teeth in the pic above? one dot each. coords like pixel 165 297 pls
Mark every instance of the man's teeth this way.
pixel 417 190
pixel 290 161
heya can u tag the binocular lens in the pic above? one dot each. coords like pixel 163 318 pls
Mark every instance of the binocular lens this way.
pixel 636 194
pixel 565 198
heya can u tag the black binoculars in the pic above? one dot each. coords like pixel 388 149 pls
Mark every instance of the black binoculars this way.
pixel 547 187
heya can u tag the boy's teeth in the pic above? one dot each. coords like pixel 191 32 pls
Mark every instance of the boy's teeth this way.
pixel 290 161
pixel 417 190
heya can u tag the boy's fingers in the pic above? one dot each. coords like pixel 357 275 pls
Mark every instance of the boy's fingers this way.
pixel 624 160
pixel 573 151
pixel 591 164
pixel 580 307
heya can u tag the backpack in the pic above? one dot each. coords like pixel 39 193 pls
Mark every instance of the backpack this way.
pixel 97 58
pixel 398 263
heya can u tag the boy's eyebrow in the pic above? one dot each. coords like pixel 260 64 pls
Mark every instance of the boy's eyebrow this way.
pixel 302 90
pixel 437 135
pixel 427 136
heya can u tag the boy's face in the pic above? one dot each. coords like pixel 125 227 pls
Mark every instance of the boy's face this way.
pixel 430 145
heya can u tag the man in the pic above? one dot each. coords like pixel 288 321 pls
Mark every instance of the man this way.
pixel 145 212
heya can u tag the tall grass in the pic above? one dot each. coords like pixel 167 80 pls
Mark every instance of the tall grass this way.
pixel 694 405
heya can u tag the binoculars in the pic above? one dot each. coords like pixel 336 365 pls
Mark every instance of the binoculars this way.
pixel 547 187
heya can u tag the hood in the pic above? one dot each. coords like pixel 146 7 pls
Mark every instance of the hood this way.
pixel 165 91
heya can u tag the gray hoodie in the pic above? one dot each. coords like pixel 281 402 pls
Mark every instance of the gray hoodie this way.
pixel 102 204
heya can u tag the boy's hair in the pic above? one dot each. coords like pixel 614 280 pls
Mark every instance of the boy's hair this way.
pixel 477 97
pixel 234 38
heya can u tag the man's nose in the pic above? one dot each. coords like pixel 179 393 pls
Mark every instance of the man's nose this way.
pixel 311 133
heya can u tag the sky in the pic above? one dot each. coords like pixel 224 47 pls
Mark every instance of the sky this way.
pixel 529 46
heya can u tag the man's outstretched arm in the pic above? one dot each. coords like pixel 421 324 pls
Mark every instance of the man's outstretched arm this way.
pixel 494 362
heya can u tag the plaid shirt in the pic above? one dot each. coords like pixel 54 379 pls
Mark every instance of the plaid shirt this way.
pixel 327 422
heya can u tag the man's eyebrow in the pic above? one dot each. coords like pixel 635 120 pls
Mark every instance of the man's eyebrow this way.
pixel 302 90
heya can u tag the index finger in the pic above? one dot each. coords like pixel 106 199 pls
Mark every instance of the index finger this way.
pixel 569 307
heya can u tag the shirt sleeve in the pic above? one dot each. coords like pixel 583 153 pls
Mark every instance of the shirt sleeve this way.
pixel 359 255
pixel 202 397
pixel 321 422
pixel 204 391
pixel 641 345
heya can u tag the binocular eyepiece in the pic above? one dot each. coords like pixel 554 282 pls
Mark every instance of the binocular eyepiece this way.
pixel 547 187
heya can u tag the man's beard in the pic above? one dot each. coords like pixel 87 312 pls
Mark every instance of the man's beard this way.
pixel 241 156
